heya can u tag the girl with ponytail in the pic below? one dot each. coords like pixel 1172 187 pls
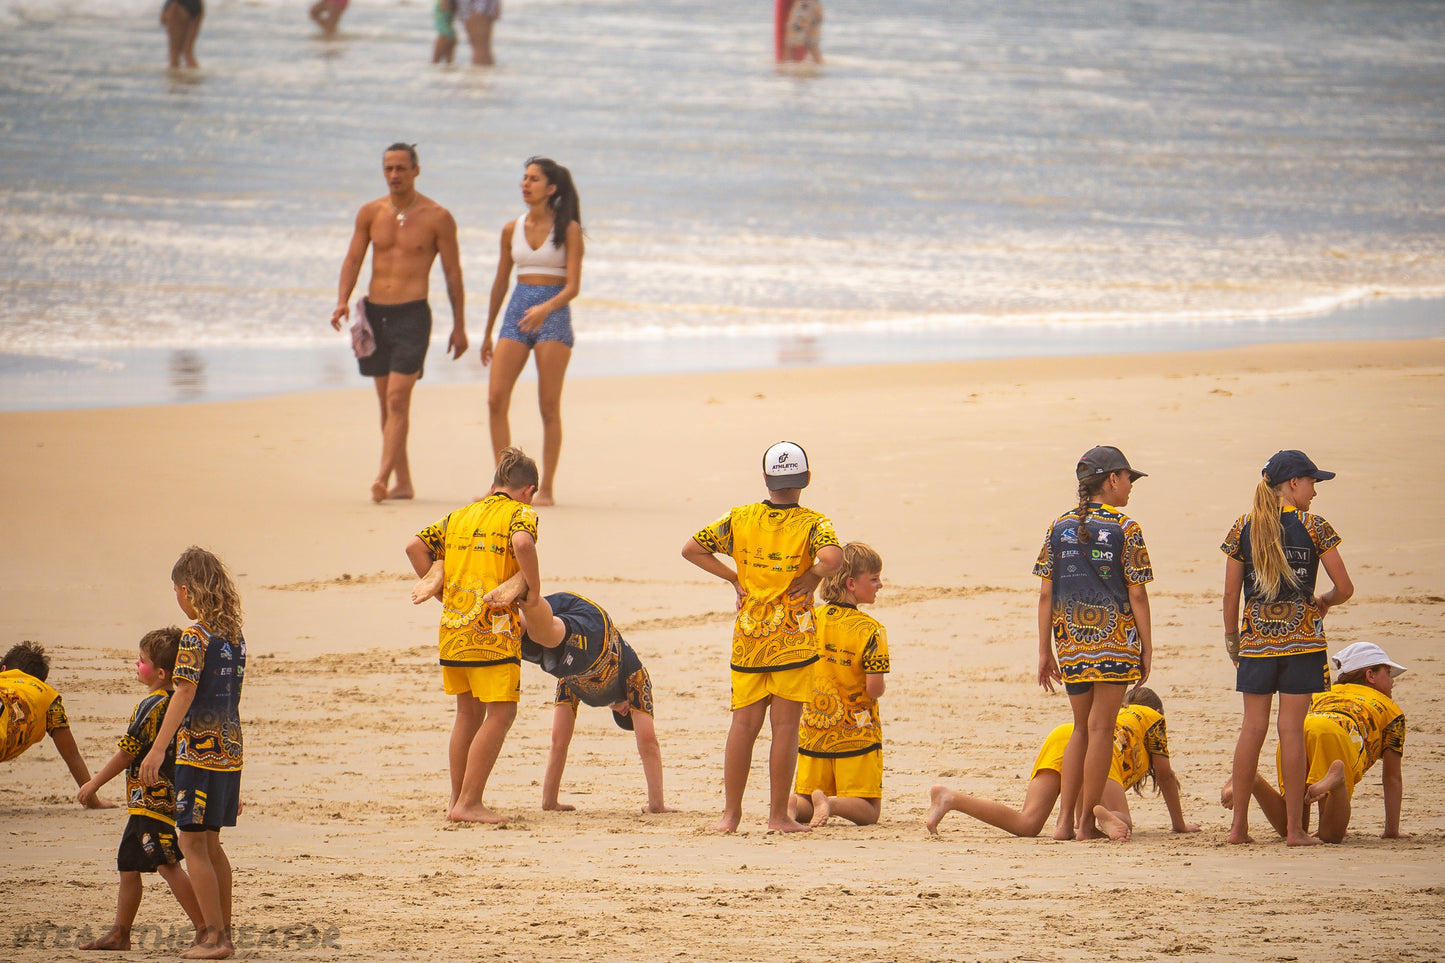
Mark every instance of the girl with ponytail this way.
pixel 545 246
pixel 1274 555
pixel 1093 606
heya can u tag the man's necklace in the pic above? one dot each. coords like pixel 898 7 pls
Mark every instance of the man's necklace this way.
pixel 400 214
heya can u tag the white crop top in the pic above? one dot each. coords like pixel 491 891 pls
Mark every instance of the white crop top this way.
pixel 548 259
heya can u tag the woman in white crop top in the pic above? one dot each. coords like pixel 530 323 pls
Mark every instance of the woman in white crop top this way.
pixel 545 246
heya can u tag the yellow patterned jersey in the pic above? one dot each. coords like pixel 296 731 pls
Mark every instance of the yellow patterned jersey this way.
pixel 1372 719
pixel 157 801
pixel 771 545
pixel 1138 733
pixel 1291 624
pixel 475 546
pixel 28 710
pixel 210 734
pixel 1095 636
pixel 840 719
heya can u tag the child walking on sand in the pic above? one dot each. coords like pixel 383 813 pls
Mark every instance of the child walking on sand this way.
pixel 1094 607
pixel 148 843
pixel 1348 729
pixel 460 559
pixel 840 742
pixel 781 551
pixel 1274 555
pixel 1140 751
pixel 30 709
pixel 202 725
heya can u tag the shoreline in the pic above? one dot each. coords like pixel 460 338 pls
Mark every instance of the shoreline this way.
pixel 126 377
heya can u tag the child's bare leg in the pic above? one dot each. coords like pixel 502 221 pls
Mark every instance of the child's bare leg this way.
pixel 649 751
pixel 180 884
pixel 858 810
pixel 481 757
pixel 470 713
pixel 1039 801
pixel 1112 813
pixel 188 43
pixel 1098 754
pixel 431 584
pixel 1071 774
pixel 564 722
pixel 783 764
pixel 1271 803
pixel 1292 764
pixel 126 905
pixel 738 761
pixel 213 944
pixel 1246 759
pixel 1334 798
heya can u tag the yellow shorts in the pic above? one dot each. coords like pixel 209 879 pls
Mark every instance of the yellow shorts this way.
pixel 488 683
pixel 858 776
pixel 1051 754
pixel 793 684
pixel 1326 741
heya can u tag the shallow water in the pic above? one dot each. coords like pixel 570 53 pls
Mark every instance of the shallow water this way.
pixel 956 166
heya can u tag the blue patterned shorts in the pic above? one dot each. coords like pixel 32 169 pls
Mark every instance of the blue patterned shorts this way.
pixel 557 327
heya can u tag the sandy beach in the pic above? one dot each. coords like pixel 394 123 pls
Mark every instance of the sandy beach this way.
pixel 951 470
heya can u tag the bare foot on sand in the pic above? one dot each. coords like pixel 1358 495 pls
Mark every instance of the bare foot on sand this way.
pixel 114 940
pixel 378 491
pixel 214 949
pixel 650 809
pixel 786 825
pixel 728 823
pixel 543 498
pixel 941 798
pixel 1113 826
pixel 1332 780
pixel 1238 839
pixel 475 814
pixel 398 492
pixel 821 812
pixel 1303 839
pixel 559 807
pixel 1064 831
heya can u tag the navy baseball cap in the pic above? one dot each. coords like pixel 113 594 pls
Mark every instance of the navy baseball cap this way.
pixel 1291 463
pixel 1104 460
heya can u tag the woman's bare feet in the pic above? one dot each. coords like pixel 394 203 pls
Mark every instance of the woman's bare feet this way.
pixel 786 825
pixel 558 807
pixel 475 814
pixel 650 809
pixel 1112 824
pixel 116 939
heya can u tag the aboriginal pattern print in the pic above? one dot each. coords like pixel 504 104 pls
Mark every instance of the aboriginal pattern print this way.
pixel 1139 732
pixel 840 719
pixel 29 709
pixel 1373 720
pixel 158 801
pixel 771 545
pixel 210 734
pixel 1095 637
pixel 1292 624
pixel 475 546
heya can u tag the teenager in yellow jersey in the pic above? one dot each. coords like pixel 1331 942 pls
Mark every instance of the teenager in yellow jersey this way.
pixel 30 709
pixel 781 551
pixel 1274 554
pixel 460 559
pixel 840 742
pixel 1349 728
pixel 1140 750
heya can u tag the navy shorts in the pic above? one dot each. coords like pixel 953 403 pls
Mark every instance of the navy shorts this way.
pixel 206 798
pixel 1286 674
pixel 147 844
pixel 1079 688
pixel 402 333
pixel 557 326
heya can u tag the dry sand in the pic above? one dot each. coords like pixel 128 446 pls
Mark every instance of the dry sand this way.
pixel 952 471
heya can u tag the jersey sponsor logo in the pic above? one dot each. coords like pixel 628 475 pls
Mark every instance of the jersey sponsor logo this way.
pixel 1103 536
pixel 1098 554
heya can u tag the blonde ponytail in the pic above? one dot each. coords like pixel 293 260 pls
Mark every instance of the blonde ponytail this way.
pixel 1273 576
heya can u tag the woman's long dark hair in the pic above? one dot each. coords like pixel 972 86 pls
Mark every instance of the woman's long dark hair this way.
pixel 566 207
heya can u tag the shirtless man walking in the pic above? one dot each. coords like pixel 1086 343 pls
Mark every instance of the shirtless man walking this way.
pixel 406 232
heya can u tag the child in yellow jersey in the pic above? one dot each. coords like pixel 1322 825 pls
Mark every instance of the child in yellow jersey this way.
pixel 1141 749
pixel 460 559
pixel 1350 727
pixel 148 843
pixel 781 551
pixel 30 710
pixel 840 742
